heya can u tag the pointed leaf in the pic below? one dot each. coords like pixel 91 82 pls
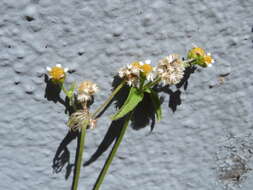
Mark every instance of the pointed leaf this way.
pixel 147 90
pixel 133 99
pixel 157 104
pixel 71 90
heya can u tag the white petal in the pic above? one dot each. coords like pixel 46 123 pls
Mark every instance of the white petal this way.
pixel 150 77
pixel 49 69
pixel 58 65
pixel 129 83
pixel 121 74
pixel 129 66
pixel 194 45
pixel 170 58
pixel 209 54
pixel 148 61
pixel 83 97
pixel 66 70
pixel 209 65
pixel 95 87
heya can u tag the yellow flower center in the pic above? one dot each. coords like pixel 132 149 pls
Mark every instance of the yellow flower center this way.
pixel 136 64
pixel 57 73
pixel 146 68
pixel 198 51
pixel 208 59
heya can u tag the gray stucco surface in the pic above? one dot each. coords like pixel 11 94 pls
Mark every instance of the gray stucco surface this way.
pixel 199 147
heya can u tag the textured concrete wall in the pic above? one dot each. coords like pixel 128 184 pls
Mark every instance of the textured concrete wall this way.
pixel 205 145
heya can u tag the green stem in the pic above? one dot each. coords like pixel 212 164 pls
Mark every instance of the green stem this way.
pixel 71 98
pixel 79 156
pixel 112 154
pixel 152 83
pixel 102 107
pixel 64 90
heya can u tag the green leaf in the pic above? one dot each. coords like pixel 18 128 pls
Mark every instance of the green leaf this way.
pixel 71 90
pixel 157 104
pixel 134 98
pixel 147 90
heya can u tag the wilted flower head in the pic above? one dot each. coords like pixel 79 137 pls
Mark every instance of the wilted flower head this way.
pixel 202 58
pixel 86 90
pixel 57 74
pixel 170 69
pixel 133 72
pixel 78 119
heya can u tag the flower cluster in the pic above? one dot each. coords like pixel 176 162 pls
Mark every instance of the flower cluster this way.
pixel 200 57
pixel 170 69
pixel 133 72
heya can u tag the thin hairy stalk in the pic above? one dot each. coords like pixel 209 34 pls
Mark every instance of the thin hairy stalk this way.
pixel 108 162
pixel 79 156
pixel 102 107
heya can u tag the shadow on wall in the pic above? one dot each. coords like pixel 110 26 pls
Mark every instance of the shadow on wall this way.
pixel 143 116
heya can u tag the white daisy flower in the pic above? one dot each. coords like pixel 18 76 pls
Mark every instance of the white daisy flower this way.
pixel 132 72
pixel 57 73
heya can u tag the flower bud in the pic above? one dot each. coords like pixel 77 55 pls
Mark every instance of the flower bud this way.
pixel 200 57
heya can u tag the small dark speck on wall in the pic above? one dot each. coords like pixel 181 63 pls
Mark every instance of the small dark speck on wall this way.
pixel 29 18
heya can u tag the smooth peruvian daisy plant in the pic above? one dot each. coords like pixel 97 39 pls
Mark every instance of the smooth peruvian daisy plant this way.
pixel 141 80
